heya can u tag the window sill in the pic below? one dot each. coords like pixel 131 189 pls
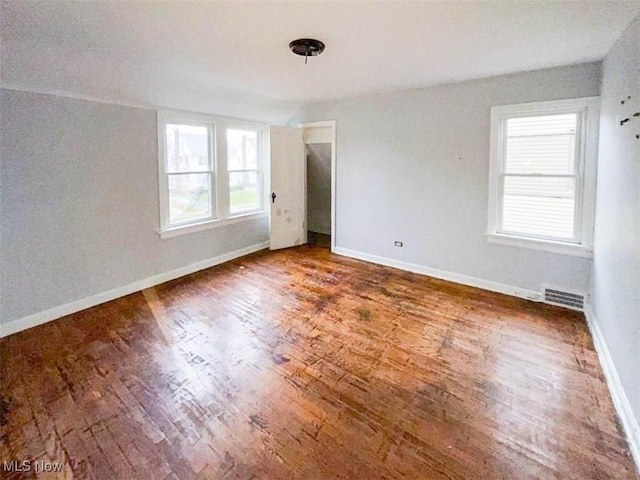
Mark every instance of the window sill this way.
pixel 208 224
pixel 544 245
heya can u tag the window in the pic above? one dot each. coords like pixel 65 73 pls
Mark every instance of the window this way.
pixel 244 170
pixel 542 177
pixel 190 172
pixel 210 171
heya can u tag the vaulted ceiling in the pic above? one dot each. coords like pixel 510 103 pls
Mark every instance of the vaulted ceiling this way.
pixel 210 56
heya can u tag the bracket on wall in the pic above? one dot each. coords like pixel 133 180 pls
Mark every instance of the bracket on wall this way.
pixel 630 117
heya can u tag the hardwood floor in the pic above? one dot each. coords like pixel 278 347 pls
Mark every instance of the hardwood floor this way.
pixel 300 364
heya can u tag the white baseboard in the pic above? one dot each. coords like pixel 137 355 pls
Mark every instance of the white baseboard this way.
pixel 620 401
pixel 88 302
pixel 443 275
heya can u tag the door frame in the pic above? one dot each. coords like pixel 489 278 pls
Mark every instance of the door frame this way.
pixel 331 124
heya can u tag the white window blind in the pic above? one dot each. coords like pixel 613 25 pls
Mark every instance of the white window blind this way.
pixel 539 176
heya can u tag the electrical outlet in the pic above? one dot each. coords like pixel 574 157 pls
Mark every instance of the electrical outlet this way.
pixel 398 244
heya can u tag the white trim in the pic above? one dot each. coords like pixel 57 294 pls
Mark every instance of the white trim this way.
pixel 217 128
pixel 621 402
pixel 206 225
pixel 88 302
pixel 165 118
pixel 539 244
pixel 443 275
pixel 588 110
pixel 329 124
pixel 320 124
pixel 590 168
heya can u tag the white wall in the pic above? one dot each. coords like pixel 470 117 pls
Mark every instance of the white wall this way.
pixel 80 204
pixel 616 271
pixel 414 165
pixel 319 188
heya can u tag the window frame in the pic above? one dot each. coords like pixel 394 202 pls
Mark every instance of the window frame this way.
pixel 588 111
pixel 164 179
pixel 217 127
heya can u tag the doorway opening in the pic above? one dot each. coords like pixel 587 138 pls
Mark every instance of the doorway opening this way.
pixel 319 139
pixel 319 194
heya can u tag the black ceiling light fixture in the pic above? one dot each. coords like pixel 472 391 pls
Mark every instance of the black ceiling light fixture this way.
pixel 307 47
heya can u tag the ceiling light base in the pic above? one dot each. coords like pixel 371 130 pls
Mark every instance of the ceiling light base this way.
pixel 307 47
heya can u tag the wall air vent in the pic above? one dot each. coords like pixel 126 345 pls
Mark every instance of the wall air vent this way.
pixel 572 300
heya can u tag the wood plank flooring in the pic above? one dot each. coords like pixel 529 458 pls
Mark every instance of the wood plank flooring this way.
pixel 300 364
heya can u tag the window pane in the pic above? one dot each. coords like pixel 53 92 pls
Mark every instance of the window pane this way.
pixel 189 197
pixel 187 148
pixel 543 144
pixel 242 150
pixel 539 206
pixel 243 191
